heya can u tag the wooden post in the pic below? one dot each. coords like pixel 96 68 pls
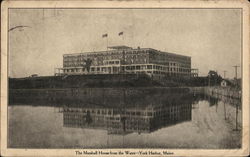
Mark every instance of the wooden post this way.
pixel 236 83
pixel 225 113
pixel 236 118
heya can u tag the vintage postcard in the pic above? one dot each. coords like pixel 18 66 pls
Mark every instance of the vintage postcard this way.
pixel 124 78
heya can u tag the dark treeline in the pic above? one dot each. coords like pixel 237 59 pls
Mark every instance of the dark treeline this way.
pixel 114 81
pixel 81 81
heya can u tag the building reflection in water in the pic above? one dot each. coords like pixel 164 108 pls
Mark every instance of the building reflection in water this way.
pixel 124 119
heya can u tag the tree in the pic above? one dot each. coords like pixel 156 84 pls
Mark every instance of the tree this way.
pixel 87 64
pixel 213 78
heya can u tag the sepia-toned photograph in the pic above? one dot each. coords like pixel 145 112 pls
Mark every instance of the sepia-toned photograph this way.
pixel 125 78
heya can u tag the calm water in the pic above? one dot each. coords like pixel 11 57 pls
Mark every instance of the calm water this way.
pixel 162 121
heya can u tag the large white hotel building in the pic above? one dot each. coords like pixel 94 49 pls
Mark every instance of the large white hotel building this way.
pixel 124 59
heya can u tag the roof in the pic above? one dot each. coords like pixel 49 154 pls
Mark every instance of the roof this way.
pixel 120 47
pixel 123 47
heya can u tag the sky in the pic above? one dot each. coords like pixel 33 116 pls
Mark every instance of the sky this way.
pixel 212 37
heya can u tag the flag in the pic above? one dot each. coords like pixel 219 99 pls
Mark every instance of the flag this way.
pixel 121 33
pixel 105 35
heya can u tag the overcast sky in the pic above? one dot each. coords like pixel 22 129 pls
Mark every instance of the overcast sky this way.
pixel 212 37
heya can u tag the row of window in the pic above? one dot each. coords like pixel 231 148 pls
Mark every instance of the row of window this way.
pixel 170 110
pixel 129 68
pixel 119 52
pixel 157 57
pixel 127 61
pixel 142 124
pixel 106 53
pixel 112 62
pixel 104 57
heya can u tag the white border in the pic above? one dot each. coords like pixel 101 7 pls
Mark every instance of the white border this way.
pixel 125 4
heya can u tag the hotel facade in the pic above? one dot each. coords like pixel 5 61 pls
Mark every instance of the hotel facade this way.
pixel 123 59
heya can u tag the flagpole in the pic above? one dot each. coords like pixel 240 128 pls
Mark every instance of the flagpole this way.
pixel 106 36
pixel 122 39
pixel 107 43
pixel 123 59
pixel 119 34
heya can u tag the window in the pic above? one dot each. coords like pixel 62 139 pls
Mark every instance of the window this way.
pixel 149 113
pixel 149 66
pixel 104 69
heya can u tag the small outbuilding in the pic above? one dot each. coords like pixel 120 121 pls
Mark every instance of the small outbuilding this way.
pixel 223 83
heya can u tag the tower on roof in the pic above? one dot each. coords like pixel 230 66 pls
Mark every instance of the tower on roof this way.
pixel 120 47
